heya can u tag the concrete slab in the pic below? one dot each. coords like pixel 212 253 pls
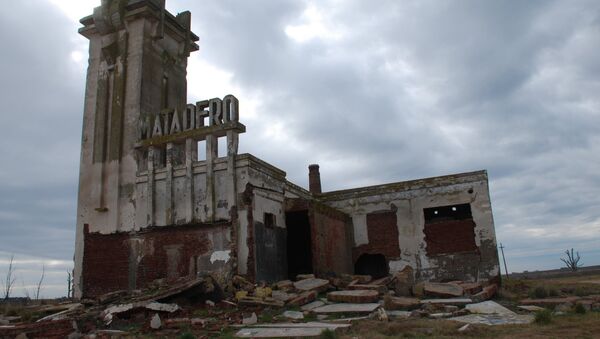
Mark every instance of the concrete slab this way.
pixel 356 296
pixel 448 301
pixel 444 290
pixel 494 319
pixel 289 332
pixel 531 308
pixel 488 307
pixel 347 308
pixel 311 306
pixel 319 285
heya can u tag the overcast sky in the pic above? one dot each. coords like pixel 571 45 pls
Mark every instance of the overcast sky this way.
pixel 373 91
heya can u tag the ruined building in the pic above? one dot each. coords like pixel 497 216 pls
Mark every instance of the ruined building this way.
pixel 148 208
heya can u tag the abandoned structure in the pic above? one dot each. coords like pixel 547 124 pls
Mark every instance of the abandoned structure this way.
pixel 148 208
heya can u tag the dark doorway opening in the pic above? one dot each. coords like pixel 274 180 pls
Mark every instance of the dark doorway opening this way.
pixel 299 254
pixel 374 265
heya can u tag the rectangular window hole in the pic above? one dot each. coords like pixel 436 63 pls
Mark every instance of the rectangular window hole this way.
pixel 222 149
pixel 202 150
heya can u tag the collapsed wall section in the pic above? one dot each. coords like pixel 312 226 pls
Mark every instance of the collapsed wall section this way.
pixel 127 261
pixel 441 227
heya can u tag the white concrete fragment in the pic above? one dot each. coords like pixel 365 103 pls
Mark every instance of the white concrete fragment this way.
pixel 494 319
pixel 220 256
pixel 311 306
pixel 488 307
pixel 155 322
pixel 251 320
pixel 154 306
pixel 278 332
pixel 293 315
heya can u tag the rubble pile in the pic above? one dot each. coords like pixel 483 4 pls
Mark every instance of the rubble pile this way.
pixel 302 308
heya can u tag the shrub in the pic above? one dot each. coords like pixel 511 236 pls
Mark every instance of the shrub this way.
pixel 580 309
pixel 187 335
pixel 328 334
pixel 543 317
pixel 553 292
pixel 539 292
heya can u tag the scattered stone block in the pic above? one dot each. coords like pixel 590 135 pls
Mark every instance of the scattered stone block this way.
pixel 279 332
pixel 241 283
pixel 284 285
pixel 443 290
pixel 401 303
pixel 471 288
pixel 549 302
pixel 494 319
pixel 305 276
pixel 353 296
pixel 303 299
pixel 531 308
pixel 464 328
pixel 487 293
pixel 312 284
pixel 404 281
pixel 155 322
pixel 488 307
pixel 311 306
pixel 399 314
pixel 448 301
pixel 263 292
pixel 381 289
pixel 283 296
pixel 293 315
pixel 381 281
pixel 347 308
pixel 251 320
pixel 240 294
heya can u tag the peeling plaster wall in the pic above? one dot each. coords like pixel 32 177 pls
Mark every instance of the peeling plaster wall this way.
pixel 408 199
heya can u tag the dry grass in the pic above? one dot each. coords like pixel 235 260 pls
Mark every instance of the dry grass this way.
pixel 569 326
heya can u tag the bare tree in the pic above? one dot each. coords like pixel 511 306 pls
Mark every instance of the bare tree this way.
pixel 39 285
pixel 25 290
pixel 572 260
pixel 10 278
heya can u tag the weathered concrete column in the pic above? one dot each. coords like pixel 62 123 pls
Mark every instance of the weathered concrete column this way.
pixel 211 154
pixel 169 185
pixel 314 179
pixel 150 187
pixel 191 155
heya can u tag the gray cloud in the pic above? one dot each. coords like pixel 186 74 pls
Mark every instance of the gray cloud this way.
pixel 385 91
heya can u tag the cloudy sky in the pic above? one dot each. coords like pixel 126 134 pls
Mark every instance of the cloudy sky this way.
pixel 373 91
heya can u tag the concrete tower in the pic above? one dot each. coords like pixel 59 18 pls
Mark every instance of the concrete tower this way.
pixel 137 67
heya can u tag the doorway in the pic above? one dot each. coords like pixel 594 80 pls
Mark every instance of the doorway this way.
pixel 299 254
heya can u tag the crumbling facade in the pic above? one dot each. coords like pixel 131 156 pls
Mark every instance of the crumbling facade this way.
pixel 149 209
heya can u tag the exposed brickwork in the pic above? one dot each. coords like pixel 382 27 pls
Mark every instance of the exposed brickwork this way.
pixel 314 179
pixel 450 237
pixel 331 240
pixel 106 263
pixel 383 236
pixel 46 329
pixel 120 261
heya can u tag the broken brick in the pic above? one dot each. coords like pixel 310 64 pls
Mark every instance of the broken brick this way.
pixel 444 290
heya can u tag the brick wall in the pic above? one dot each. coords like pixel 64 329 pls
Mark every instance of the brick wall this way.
pixel 122 261
pixel 452 236
pixel 382 231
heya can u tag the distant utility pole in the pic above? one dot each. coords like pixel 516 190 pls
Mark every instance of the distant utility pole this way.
pixel 504 259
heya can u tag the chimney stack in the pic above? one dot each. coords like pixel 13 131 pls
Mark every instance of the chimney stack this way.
pixel 314 179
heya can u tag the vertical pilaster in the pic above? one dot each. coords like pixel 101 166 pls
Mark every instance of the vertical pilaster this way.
pixel 169 186
pixel 191 155
pixel 150 188
pixel 211 155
